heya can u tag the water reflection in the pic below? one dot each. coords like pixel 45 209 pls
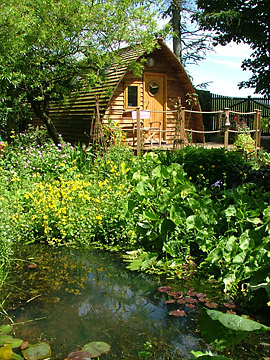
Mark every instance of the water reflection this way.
pixel 90 296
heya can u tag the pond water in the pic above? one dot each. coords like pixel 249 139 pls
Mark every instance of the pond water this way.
pixel 69 298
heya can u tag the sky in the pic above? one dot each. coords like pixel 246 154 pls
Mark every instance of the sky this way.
pixel 223 68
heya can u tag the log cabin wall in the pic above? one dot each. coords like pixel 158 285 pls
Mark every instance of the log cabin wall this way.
pixel 177 85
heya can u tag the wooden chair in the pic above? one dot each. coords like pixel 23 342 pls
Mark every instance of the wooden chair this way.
pixel 148 132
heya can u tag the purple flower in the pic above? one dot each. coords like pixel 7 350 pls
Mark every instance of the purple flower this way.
pixel 218 184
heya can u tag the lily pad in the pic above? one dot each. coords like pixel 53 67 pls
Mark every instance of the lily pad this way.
pixel 170 301
pixel 38 351
pixel 14 342
pixel 4 339
pixel 177 313
pixel 164 289
pixel 5 329
pixel 79 355
pixel 96 348
pixel 211 305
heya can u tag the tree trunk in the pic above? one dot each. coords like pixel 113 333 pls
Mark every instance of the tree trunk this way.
pixel 176 24
pixel 40 110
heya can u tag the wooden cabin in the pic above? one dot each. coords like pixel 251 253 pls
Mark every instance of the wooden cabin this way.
pixel 156 92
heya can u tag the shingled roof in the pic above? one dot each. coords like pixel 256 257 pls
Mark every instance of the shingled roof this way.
pixel 84 103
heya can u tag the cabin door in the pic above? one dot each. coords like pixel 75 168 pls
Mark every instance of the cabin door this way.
pixel 155 99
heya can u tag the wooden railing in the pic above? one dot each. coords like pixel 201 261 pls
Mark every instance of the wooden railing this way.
pixel 180 130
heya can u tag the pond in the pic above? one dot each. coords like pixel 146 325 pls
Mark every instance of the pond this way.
pixel 70 297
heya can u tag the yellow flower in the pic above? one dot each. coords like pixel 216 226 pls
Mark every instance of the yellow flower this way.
pixel 268 304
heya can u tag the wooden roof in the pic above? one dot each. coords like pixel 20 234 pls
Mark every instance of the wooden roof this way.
pixel 84 102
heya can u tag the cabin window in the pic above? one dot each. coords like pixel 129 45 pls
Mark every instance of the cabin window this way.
pixel 132 97
pixel 153 88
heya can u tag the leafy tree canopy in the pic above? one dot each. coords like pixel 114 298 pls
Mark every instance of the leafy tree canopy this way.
pixel 48 47
pixel 246 21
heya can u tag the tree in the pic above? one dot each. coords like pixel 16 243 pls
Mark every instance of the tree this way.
pixel 246 21
pixel 190 44
pixel 50 48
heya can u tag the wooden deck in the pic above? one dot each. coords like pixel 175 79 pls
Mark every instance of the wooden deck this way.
pixel 164 146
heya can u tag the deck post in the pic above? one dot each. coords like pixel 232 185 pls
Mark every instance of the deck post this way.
pixel 226 128
pixel 256 116
pixel 220 112
pixel 182 127
pixel 258 128
pixel 138 115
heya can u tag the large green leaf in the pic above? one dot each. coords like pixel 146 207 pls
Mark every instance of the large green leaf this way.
pixel 214 332
pixel 142 228
pixel 38 351
pixel 223 330
pixel 261 279
pixel 160 171
pixel 167 226
pixel 244 241
pixel 96 348
pixel 213 357
pixel 236 322
pixel 144 188
pixel 208 355
pixel 230 211
pixel 194 222
pixel 177 214
pixel 149 215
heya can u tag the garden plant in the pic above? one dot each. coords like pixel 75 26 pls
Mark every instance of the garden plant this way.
pixel 190 211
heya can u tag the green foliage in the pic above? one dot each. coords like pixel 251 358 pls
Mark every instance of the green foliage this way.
pixel 146 353
pixel 207 166
pixel 241 21
pixel 56 48
pixel 245 143
pixel 265 123
pixel 175 212
pixel 225 330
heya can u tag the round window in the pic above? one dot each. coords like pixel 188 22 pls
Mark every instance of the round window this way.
pixel 153 88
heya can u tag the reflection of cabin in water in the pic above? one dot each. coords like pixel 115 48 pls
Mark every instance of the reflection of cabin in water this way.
pixel 161 84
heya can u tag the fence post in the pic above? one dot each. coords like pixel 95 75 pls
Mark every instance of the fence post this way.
pixel 219 124
pixel 258 128
pixel 138 116
pixel 182 127
pixel 226 127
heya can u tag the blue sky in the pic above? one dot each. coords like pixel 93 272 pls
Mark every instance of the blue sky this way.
pixel 223 68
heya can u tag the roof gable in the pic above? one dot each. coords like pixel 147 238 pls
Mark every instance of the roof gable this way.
pixel 84 103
